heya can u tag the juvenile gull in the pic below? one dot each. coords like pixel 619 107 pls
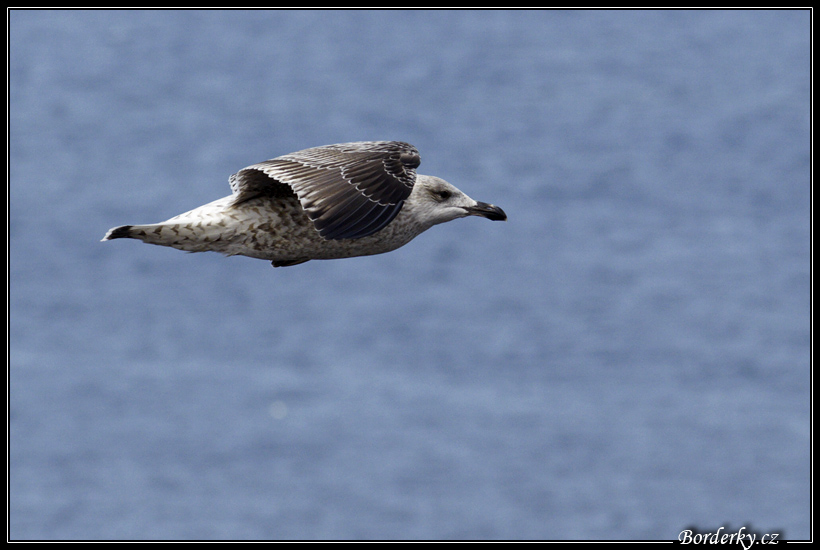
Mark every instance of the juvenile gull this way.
pixel 334 201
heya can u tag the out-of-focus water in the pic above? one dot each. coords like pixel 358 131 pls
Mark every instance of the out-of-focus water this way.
pixel 627 356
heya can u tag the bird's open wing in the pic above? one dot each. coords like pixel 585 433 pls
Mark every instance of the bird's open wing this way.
pixel 349 190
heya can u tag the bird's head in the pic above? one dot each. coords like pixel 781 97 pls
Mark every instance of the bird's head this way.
pixel 437 201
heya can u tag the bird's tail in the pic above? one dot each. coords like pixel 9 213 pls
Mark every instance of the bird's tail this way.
pixel 164 234
pixel 123 231
pixel 178 233
pixel 201 229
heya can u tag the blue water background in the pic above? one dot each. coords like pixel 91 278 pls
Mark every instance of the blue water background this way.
pixel 627 356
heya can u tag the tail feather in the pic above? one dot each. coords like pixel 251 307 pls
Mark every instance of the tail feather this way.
pixel 193 236
pixel 123 231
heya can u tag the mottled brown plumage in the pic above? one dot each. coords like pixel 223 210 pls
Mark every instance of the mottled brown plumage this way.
pixel 335 201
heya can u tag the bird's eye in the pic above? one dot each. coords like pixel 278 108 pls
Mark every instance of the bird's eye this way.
pixel 444 194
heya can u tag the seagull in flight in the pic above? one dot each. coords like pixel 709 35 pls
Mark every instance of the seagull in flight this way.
pixel 322 203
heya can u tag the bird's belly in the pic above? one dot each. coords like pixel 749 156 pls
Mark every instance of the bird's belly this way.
pixel 272 228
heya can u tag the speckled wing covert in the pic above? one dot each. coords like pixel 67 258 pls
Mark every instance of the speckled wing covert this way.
pixel 349 190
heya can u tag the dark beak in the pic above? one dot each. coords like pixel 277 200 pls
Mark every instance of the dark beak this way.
pixel 489 211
